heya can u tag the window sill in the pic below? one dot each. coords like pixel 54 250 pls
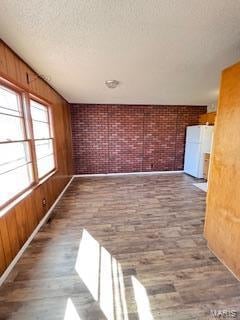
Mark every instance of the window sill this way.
pixel 24 195
pixel 45 178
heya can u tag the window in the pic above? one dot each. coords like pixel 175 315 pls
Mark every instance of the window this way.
pixel 16 173
pixel 26 142
pixel 43 138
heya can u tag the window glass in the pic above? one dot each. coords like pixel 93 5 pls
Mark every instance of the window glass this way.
pixel 16 169
pixel 14 181
pixel 43 138
pixel 41 130
pixel 9 102
pixel 15 162
pixel 43 148
pixel 11 128
pixel 13 155
pixel 45 165
pixel 39 112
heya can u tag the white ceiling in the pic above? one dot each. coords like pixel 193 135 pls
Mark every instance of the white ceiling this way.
pixel 161 51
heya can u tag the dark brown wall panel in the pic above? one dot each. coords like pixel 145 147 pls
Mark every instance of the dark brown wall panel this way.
pixel 3 263
pixel 17 224
pixel 6 244
pixel 127 138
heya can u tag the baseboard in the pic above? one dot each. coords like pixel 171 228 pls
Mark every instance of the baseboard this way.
pixel 222 262
pixel 126 173
pixel 26 244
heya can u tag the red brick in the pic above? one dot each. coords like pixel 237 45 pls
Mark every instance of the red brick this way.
pixel 126 138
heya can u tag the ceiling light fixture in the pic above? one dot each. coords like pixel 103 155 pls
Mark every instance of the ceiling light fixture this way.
pixel 111 84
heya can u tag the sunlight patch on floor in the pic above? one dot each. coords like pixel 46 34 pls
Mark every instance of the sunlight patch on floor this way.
pixel 141 297
pixel 203 186
pixel 71 312
pixel 87 264
pixel 103 276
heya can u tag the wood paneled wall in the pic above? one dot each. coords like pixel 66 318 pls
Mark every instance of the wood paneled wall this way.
pixel 17 224
pixel 222 225
pixel 207 118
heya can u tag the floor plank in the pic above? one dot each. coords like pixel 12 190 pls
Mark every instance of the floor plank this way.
pixel 126 247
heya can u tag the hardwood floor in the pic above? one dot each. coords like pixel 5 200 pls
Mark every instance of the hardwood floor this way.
pixel 127 247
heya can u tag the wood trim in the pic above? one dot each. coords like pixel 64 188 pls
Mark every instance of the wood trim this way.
pixel 52 126
pixel 51 130
pixel 10 84
pixel 30 133
pixel 23 88
pixel 39 100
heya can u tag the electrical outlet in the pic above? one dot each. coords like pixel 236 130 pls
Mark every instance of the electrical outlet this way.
pixel 44 202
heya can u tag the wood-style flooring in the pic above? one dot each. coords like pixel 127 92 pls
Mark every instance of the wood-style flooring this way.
pixel 126 247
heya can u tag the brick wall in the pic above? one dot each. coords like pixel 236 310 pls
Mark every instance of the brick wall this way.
pixel 126 138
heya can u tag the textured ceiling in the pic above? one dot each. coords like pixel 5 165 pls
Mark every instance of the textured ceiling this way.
pixel 161 51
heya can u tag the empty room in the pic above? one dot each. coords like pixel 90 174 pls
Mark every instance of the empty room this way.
pixel 119 160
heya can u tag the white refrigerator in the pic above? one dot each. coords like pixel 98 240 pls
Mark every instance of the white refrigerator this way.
pixel 198 141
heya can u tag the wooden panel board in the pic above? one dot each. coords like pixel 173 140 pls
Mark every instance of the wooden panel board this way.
pixel 3 66
pixel 11 225
pixel 3 264
pixel 22 224
pixel 18 223
pixel 11 63
pixel 7 248
pixel 222 226
pixel 207 118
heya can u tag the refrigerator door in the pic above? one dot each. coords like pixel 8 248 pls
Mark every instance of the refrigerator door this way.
pixel 207 139
pixel 192 159
pixel 194 134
